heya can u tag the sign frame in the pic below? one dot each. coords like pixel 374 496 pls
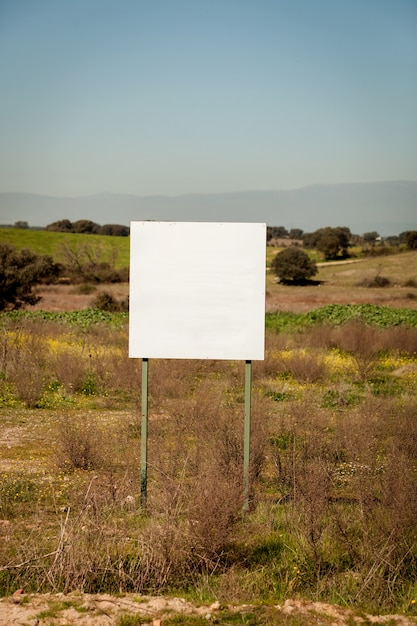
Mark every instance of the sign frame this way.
pixel 197 290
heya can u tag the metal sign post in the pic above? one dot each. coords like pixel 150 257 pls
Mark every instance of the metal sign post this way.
pixel 246 436
pixel 144 434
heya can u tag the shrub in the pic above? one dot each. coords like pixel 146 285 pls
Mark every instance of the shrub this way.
pixel 79 446
pixel 376 281
pixel 86 289
pixel 330 241
pixel 106 302
pixel 25 362
pixel 293 265
pixel 410 237
pixel 20 271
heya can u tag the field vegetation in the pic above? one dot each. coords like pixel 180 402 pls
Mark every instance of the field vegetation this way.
pixel 52 243
pixel 333 462
pixel 353 281
pixel 57 244
pixel 333 445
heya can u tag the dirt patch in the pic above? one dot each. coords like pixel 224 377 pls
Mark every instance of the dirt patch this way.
pixel 278 298
pixel 304 299
pixel 58 298
pixel 104 610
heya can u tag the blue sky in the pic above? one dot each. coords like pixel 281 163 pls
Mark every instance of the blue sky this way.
pixel 200 96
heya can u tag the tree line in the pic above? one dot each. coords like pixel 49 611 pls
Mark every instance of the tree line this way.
pixel 294 266
pixel 334 243
pixel 22 270
pixel 88 227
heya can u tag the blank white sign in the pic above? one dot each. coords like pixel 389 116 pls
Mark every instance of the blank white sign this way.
pixel 197 290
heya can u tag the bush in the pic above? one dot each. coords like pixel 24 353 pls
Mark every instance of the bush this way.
pixel 106 302
pixel 330 241
pixel 293 265
pixel 376 281
pixel 20 271
pixel 79 446
pixel 411 239
pixel 85 289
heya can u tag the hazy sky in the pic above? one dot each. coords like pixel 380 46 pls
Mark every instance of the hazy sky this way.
pixel 179 96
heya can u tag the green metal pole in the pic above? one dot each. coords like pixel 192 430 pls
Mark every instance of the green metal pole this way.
pixel 144 434
pixel 246 440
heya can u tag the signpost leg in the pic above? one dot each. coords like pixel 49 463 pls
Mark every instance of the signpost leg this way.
pixel 144 435
pixel 246 441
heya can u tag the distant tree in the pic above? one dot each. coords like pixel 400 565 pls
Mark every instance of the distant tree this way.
pixel 411 239
pixel 85 226
pixel 392 240
pixel 62 226
pixel 116 230
pixel 310 240
pixel 356 240
pixel 276 232
pixel 331 242
pixel 293 265
pixel 80 226
pixel 296 233
pixel 20 271
pixel 21 224
pixel 371 237
pixel 329 245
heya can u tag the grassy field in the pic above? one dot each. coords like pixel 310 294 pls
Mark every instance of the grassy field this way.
pixel 333 453
pixel 340 282
pixel 333 464
pixel 346 282
pixel 51 243
pixel 395 266
pixel 400 269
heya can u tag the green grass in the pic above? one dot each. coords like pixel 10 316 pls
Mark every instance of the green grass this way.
pixel 333 314
pixel 336 314
pixel 81 318
pixel 371 314
pixel 46 242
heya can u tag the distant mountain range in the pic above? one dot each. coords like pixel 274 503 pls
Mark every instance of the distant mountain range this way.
pixel 387 207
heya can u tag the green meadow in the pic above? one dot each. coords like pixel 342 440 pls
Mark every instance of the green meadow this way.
pixel 52 243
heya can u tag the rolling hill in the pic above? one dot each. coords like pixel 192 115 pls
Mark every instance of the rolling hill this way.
pixel 388 207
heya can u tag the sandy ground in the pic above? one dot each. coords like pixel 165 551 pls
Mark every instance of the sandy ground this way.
pixel 103 610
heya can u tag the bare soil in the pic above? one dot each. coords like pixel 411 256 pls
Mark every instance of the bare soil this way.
pixel 68 297
pixel 79 609
pixel 304 299
pixel 278 297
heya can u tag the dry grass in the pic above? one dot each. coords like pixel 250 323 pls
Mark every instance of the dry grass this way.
pixel 339 284
pixel 333 474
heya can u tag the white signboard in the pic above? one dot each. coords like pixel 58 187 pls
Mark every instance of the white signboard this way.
pixel 197 290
